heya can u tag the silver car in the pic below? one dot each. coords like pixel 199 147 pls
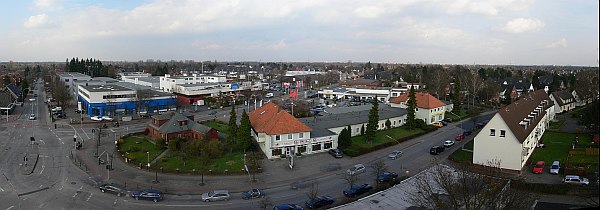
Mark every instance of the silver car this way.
pixel 216 195
pixel 555 167
pixel 356 169
pixel 395 154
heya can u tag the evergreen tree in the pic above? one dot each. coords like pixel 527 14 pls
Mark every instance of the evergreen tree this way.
pixel 344 139
pixel 244 133
pixel 373 121
pixel 411 106
pixel 507 97
pixel 233 129
pixel 388 124
pixel 456 96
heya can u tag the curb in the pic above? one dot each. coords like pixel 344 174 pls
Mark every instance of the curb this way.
pixel 37 157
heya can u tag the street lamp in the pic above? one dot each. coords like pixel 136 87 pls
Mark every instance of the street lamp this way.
pixel 148 160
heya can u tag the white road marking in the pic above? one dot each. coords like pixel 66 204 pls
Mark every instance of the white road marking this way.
pixel 1 189
pixel 81 187
pixel 43 167
pixel 88 199
pixel 41 186
pixel 42 141
pixel 75 194
pixel 62 142
pixel 61 187
pixel 115 203
pixel 10 207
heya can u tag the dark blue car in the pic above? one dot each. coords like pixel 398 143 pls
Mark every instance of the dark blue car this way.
pixel 287 207
pixel 319 202
pixel 387 177
pixel 357 190
pixel 153 195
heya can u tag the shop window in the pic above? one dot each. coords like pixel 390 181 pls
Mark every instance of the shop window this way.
pixel 301 149
pixel 327 145
pixel 316 147
pixel 276 152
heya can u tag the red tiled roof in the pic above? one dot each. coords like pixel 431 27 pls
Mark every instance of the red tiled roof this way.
pixel 424 100
pixel 270 119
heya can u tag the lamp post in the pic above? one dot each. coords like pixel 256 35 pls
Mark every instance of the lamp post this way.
pixel 148 160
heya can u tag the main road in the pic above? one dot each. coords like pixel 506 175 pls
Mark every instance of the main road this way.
pixel 55 182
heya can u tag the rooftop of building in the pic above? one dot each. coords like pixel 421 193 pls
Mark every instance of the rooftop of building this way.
pixel 516 112
pixel 424 100
pixel 272 120
pixel 105 88
pixel 71 74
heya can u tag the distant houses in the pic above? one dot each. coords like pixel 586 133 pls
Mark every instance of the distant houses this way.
pixel 429 109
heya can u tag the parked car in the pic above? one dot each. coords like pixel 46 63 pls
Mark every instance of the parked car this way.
pixel 215 195
pixel 113 188
pixel 467 132
pixel 573 179
pixel 254 193
pixel 436 150
pixel 387 177
pixel 444 123
pixel 55 109
pixel 153 195
pixel 337 153
pixel 107 118
pixel 356 169
pixel 319 202
pixel 448 143
pixel 395 154
pixel 539 167
pixel 555 167
pixel 459 137
pixel 448 120
pixel 96 118
pixel 356 190
pixel 287 207
pixel 32 117
pixel 438 124
pixel 212 113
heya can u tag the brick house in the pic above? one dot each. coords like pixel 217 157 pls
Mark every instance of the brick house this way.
pixel 174 125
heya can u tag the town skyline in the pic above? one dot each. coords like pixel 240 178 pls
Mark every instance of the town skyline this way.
pixel 459 32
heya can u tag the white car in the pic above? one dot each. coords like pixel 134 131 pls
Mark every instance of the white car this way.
pixel 356 169
pixel 56 109
pixel 395 154
pixel 107 118
pixel 96 118
pixel 216 195
pixel 555 167
pixel 573 179
pixel 448 143
pixel 32 117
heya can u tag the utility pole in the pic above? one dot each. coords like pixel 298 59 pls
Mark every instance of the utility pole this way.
pixel 98 141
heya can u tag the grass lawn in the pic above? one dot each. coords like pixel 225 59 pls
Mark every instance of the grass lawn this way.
pixel 233 162
pixel 381 137
pixel 557 124
pixel 456 116
pixel 469 145
pixel 220 126
pixel 462 156
pixel 136 148
pixel 557 147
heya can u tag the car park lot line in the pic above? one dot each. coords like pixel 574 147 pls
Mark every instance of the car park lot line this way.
pixel 10 207
pixel 88 199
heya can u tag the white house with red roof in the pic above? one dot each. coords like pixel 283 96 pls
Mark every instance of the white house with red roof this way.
pixel 278 132
pixel 429 108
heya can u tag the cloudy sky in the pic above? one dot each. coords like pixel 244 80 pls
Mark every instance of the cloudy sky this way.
pixel 561 32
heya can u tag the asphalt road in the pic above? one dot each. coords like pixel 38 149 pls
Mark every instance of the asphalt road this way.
pixel 57 183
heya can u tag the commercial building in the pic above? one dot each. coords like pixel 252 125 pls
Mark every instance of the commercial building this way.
pixel 115 100
pixel 167 83
pixel 148 81
pixel 514 132
pixel 367 89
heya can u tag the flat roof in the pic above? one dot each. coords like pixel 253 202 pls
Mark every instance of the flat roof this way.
pixel 354 115
pixel 71 74
pixel 152 79
pixel 105 79
pixel 105 88
pixel 132 86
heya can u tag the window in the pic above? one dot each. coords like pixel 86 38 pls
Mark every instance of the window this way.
pixel 277 137
pixel 276 152
pixel 290 137
pixel 301 135
pixel 327 145
pixel 492 132
pixel 502 133
pixel 432 119
pixel 416 109
pixel 316 147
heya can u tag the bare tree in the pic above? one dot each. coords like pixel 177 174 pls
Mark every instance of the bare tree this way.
pixel 449 188
pixel 313 191
pixel 141 100
pixel 60 93
pixel 378 167
pixel 439 82
pixel 265 204
pixel 350 178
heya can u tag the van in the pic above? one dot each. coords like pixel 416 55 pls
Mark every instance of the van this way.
pixel 573 179
pixel 269 95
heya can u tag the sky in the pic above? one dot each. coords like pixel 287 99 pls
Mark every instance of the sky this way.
pixel 513 32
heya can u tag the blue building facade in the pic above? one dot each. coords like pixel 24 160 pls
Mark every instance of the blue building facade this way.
pixel 151 105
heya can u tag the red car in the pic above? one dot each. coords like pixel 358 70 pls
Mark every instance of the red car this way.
pixel 459 137
pixel 539 167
